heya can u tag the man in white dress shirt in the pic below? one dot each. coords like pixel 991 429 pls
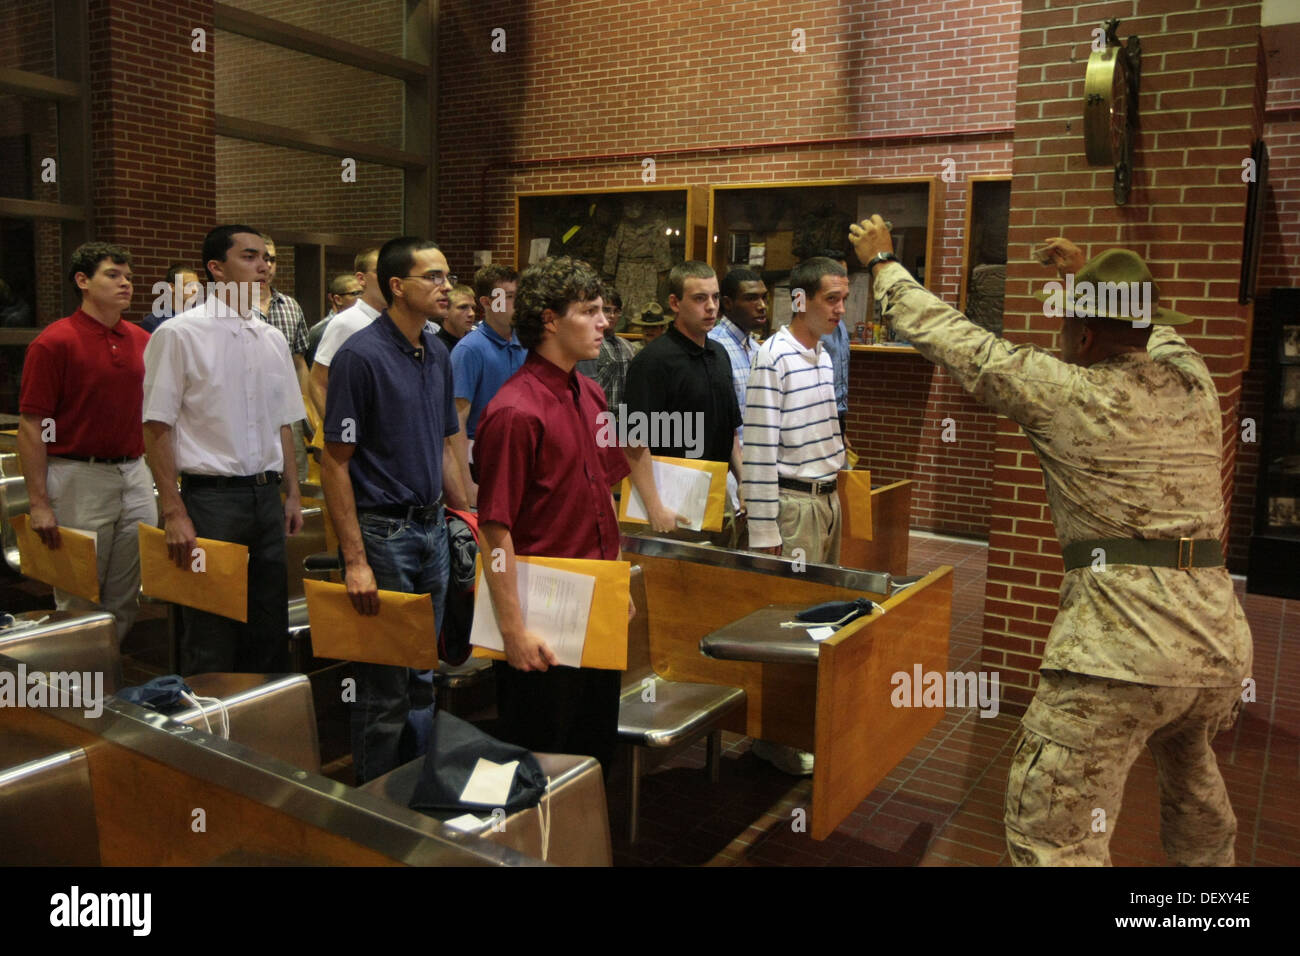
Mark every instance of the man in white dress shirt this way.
pixel 352 319
pixel 220 397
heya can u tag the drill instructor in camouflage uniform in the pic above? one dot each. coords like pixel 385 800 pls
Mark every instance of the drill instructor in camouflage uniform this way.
pixel 1150 646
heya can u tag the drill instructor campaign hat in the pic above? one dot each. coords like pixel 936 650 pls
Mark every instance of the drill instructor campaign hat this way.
pixel 652 315
pixel 1114 285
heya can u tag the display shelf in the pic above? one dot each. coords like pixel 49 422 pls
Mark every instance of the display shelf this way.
pixel 884 349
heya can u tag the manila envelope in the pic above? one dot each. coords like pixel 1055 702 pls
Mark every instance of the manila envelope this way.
pixel 220 588
pixel 606 640
pixel 855 503
pixel 72 567
pixel 714 508
pixel 403 633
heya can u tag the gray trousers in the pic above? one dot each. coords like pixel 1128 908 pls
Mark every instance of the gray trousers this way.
pixel 111 501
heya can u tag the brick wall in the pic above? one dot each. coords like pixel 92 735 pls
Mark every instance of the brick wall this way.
pixel 580 79
pixel 375 24
pixel 27 36
pixel 1185 217
pixel 278 189
pixel 152 129
pixel 27 43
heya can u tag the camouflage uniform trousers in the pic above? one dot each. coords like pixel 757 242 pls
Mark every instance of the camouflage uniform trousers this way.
pixel 1079 739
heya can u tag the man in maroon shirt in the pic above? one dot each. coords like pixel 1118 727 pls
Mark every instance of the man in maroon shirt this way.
pixel 544 489
pixel 80 438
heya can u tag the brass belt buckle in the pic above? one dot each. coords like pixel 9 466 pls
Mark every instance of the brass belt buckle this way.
pixel 1191 547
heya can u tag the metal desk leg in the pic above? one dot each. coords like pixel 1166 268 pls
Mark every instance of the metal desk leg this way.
pixel 714 759
pixel 634 793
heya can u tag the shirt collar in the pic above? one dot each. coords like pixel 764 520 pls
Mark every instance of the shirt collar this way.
pixel 551 375
pixel 217 309
pixel 810 353
pixel 746 342
pixel 88 323
pixel 385 321
pixel 495 338
pixel 684 343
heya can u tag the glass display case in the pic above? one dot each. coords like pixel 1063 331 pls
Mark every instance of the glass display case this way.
pixel 632 236
pixel 771 226
pixel 984 256
pixel 1275 545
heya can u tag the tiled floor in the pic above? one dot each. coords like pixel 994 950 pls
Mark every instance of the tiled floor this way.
pixel 942 806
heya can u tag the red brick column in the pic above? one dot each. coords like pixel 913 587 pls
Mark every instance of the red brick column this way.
pixel 152 127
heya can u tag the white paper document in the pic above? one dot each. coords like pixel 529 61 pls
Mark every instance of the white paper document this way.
pixel 820 633
pixel 556 605
pixel 685 490
pixel 466 822
pixel 489 784
pixel 537 250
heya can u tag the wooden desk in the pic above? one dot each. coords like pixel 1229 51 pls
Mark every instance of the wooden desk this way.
pixel 840 709
pixel 891 519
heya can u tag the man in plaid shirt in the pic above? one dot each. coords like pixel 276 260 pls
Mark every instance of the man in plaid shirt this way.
pixel 284 313
pixel 609 369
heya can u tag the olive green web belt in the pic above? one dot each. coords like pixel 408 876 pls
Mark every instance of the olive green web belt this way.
pixel 1183 553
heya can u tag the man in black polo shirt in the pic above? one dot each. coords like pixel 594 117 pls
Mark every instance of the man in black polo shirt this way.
pixel 389 418
pixel 687 375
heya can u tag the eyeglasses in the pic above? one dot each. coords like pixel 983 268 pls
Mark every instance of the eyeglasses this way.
pixel 437 278
pixel 350 294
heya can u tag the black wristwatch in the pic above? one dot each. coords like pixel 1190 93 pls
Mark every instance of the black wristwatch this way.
pixel 878 258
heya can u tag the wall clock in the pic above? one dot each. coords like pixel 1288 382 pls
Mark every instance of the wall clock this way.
pixel 1110 105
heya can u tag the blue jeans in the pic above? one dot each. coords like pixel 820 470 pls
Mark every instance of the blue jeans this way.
pixel 407 556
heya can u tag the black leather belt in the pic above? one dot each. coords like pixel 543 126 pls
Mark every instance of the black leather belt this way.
pixel 1181 553
pixel 230 481
pixel 824 487
pixel 405 513
pixel 97 460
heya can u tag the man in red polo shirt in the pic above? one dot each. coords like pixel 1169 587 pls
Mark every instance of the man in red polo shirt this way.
pixel 544 489
pixel 80 438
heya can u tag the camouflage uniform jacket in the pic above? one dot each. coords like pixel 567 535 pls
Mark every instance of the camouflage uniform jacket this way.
pixel 1130 448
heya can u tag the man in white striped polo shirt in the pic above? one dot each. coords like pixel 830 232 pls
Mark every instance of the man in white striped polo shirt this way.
pixel 793 448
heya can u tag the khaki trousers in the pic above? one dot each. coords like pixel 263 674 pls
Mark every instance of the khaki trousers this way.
pixel 812 524
pixel 111 501
pixel 1077 742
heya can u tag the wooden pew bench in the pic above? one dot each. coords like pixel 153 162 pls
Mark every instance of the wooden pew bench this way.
pixel 578 816
pixel 125 786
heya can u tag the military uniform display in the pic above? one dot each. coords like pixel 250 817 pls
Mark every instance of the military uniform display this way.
pixel 1139 654
pixel 636 254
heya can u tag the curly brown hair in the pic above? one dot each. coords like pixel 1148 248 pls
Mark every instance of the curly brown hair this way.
pixel 552 284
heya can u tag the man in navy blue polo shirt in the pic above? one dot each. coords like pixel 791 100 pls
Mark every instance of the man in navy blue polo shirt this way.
pixel 388 463
pixel 488 355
